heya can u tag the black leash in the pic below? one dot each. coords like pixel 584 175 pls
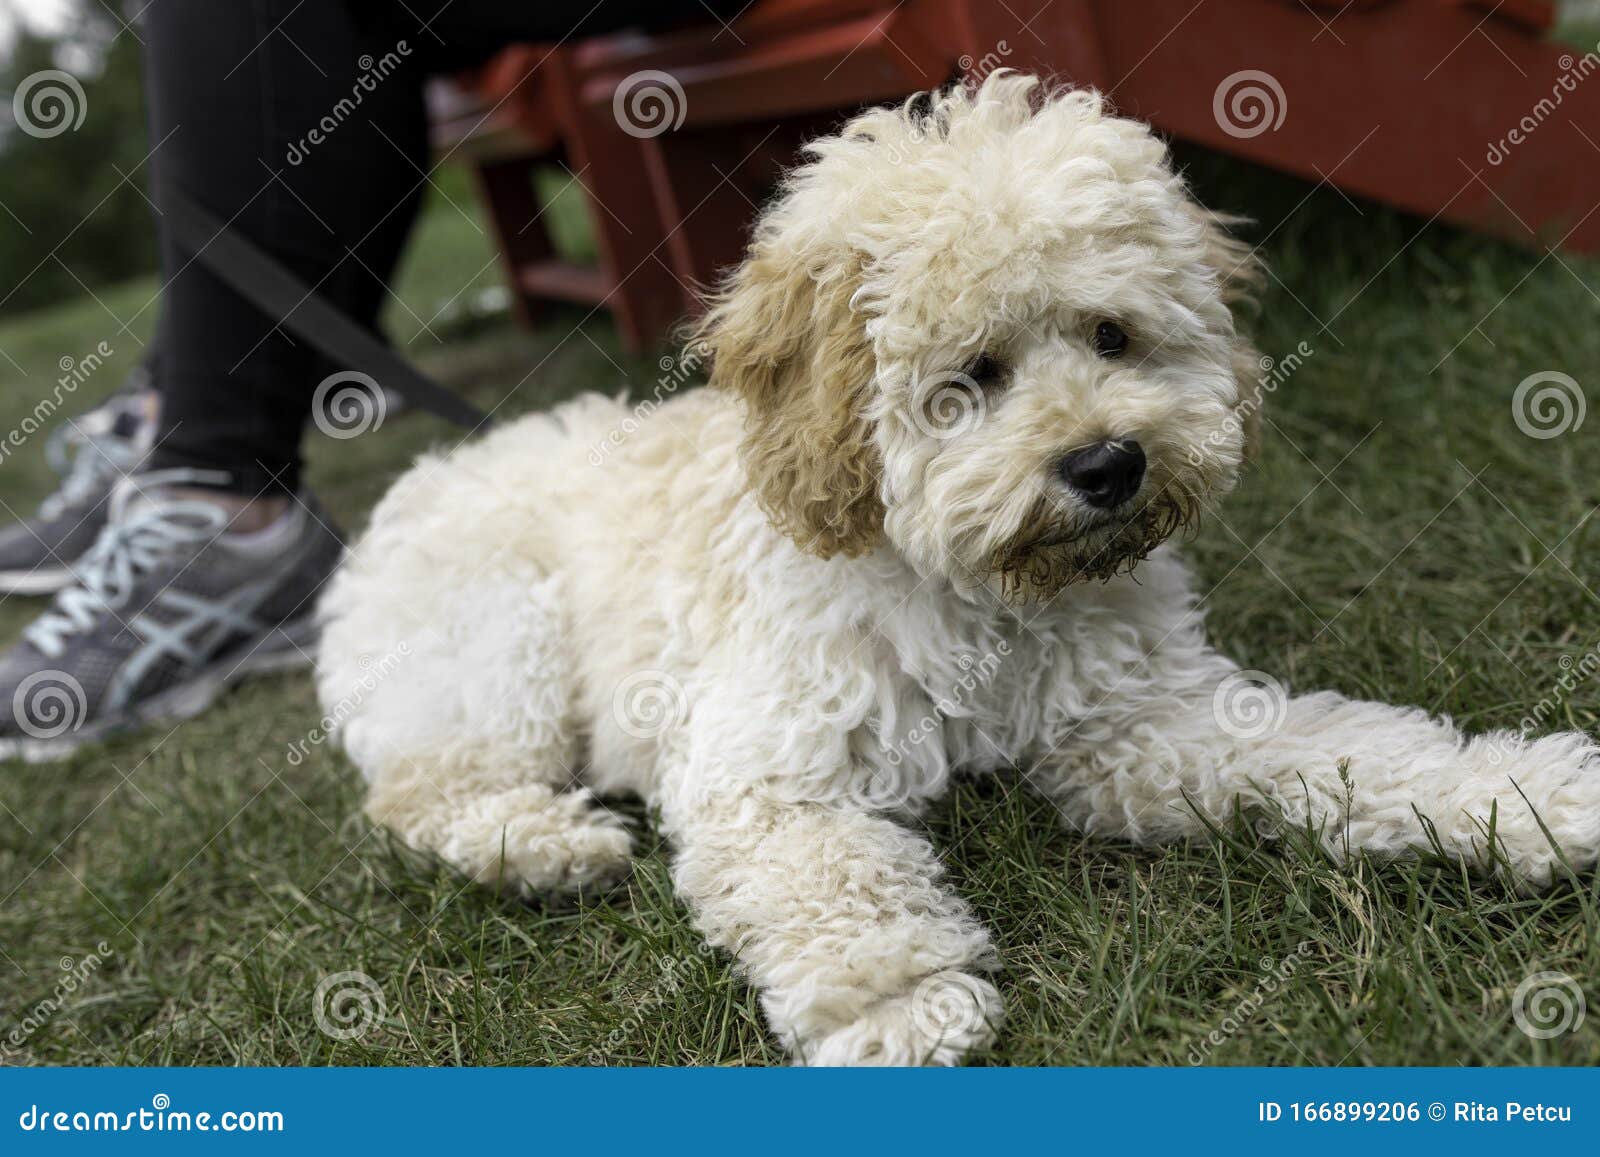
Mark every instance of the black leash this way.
pixel 278 293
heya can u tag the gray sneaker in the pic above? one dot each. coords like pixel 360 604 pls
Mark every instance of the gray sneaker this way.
pixel 91 452
pixel 168 611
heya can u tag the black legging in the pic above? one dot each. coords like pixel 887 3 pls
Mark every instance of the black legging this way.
pixel 236 88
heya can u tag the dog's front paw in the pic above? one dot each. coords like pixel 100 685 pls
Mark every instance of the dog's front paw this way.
pixel 948 1015
pixel 530 841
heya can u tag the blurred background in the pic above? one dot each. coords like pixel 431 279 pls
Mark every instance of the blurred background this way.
pixel 52 184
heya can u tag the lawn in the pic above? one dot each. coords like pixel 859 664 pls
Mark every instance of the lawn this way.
pixel 1401 538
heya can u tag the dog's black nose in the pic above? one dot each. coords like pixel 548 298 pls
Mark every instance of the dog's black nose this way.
pixel 1105 474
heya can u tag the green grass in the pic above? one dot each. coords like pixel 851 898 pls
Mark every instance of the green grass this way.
pixel 1399 539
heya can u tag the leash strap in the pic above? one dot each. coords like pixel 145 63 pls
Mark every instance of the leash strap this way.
pixel 278 293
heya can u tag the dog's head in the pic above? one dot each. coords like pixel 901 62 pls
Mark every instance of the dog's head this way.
pixel 994 330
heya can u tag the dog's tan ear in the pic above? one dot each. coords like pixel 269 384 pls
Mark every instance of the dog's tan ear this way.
pixel 1241 274
pixel 784 338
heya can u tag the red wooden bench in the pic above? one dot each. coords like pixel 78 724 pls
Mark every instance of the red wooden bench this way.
pixel 522 116
pixel 1450 109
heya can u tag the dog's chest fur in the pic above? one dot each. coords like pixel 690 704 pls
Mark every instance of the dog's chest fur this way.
pixel 974 686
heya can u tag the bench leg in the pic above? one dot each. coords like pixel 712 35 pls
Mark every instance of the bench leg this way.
pixel 506 185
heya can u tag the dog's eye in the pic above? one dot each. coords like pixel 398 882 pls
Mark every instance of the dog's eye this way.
pixel 986 370
pixel 1110 340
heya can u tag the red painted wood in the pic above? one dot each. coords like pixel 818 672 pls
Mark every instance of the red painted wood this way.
pixel 707 186
pixel 506 185
pixel 837 67
pixel 533 88
pixel 554 279
pixel 1411 109
pixel 645 297
pixel 1535 15
pixel 1410 102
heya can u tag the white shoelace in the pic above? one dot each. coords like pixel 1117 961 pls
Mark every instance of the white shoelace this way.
pixel 96 462
pixel 134 542
pixel 90 454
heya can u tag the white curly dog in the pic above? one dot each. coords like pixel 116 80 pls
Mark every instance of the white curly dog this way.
pixel 980 353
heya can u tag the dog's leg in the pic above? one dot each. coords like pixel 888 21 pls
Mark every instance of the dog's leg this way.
pixel 839 919
pixel 1188 736
pixel 453 693
pixel 531 839
pixel 495 792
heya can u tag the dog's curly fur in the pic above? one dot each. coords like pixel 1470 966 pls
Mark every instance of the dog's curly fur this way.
pixel 785 609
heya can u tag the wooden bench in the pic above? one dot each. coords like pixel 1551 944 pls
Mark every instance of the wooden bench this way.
pixel 1451 109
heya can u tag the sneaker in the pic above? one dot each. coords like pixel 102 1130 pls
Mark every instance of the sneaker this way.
pixel 169 610
pixel 91 452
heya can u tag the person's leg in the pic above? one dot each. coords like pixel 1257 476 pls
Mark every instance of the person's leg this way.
pixel 302 126
pixel 236 91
